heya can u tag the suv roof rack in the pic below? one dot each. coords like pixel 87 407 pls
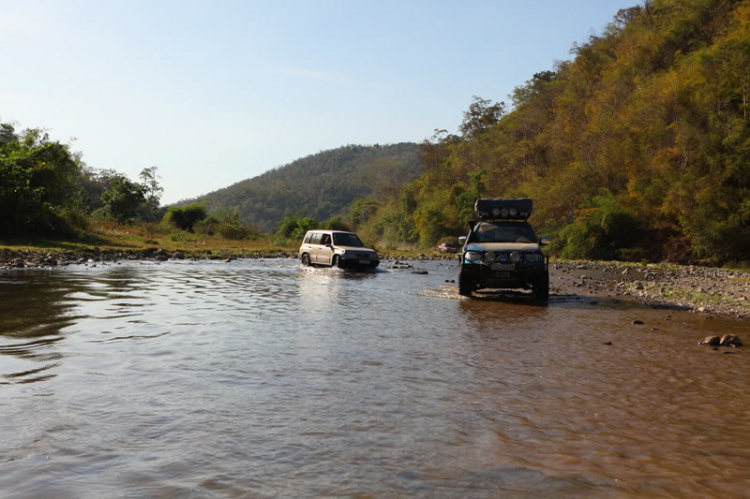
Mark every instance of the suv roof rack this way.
pixel 503 208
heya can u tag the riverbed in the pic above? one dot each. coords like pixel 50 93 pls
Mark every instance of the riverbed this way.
pixel 262 378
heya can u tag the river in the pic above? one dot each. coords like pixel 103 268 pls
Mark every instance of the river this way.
pixel 264 379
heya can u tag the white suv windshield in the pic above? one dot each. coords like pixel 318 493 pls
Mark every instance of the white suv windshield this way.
pixel 347 240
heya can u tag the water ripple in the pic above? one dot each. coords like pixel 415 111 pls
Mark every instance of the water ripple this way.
pixel 271 379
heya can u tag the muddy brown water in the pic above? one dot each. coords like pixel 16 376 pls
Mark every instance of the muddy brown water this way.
pixel 266 379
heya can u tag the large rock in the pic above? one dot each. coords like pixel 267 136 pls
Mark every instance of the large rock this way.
pixel 728 340
pixel 713 341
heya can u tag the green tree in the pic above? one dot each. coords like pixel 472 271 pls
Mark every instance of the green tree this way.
pixel 478 183
pixel 481 115
pixel 152 191
pixel 37 183
pixel 122 199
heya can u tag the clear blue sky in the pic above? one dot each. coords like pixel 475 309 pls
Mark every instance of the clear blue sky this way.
pixel 214 92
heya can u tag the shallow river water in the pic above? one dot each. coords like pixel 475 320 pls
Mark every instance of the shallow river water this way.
pixel 265 379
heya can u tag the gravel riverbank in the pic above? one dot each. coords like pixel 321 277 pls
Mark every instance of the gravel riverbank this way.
pixel 699 289
pixel 19 259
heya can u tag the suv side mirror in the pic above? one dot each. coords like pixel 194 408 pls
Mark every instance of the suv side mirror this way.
pixel 462 240
pixel 543 241
pixel 472 223
pixel 329 245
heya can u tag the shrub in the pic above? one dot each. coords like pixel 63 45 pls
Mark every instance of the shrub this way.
pixel 227 225
pixel 208 226
pixel 75 219
pixel 183 236
pixel 336 223
pixel 719 234
pixel 601 230
pixel 185 217
pixel 292 229
pixel 233 231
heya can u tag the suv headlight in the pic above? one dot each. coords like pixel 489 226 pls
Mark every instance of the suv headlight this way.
pixel 534 257
pixel 489 257
pixel 515 257
pixel 473 256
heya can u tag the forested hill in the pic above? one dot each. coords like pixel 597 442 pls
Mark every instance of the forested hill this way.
pixel 320 185
pixel 638 148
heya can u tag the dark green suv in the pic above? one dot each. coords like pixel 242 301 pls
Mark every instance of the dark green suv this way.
pixel 502 250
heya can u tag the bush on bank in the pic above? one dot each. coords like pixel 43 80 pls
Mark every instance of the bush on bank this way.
pixel 602 229
pixel 227 225
pixel 185 217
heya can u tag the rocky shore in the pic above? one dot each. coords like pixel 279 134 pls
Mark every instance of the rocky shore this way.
pixel 698 289
pixel 20 259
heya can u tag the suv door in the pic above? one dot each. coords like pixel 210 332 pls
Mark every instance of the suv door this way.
pixel 325 252
pixel 315 246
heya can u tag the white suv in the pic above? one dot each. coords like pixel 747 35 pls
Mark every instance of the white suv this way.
pixel 336 248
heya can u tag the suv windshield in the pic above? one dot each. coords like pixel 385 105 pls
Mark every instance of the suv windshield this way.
pixel 345 239
pixel 488 232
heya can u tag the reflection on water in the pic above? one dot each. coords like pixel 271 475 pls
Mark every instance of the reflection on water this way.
pixel 266 378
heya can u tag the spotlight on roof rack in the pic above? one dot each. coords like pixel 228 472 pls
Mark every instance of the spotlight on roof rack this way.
pixel 501 208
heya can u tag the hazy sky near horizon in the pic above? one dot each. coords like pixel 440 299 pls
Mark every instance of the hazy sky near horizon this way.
pixel 214 92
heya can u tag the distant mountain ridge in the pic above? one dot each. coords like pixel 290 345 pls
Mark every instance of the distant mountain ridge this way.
pixel 321 185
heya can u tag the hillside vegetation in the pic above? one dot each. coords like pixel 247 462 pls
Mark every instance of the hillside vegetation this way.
pixel 638 148
pixel 317 186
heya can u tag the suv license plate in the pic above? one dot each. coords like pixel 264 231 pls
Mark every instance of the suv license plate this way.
pixel 364 261
pixel 503 266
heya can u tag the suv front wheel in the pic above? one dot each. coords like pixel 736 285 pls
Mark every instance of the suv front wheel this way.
pixel 541 288
pixel 465 284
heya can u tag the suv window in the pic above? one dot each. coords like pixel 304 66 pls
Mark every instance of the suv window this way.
pixel 347 239
pixel 308 238
pixel 316 238
pixel 488 232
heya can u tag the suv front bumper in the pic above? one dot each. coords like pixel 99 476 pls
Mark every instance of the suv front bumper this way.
pixel 521 277
pixel 347 263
